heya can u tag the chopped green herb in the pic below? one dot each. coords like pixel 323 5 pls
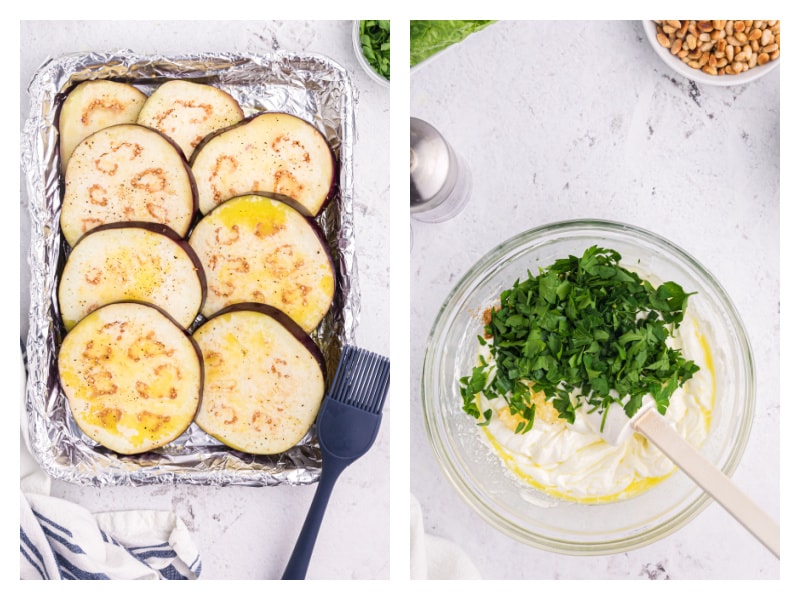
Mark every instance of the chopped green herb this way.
pixel 375 45
pixel 582 324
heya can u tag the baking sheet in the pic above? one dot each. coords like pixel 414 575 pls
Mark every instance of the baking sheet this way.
pixel 309 86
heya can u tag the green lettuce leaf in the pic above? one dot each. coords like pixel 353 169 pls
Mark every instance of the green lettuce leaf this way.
pixel 430 37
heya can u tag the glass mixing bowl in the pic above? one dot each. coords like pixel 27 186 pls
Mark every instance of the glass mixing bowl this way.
pixel 480 477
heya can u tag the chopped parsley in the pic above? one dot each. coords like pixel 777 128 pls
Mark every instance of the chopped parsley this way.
pixel 375 45
pixel 583 325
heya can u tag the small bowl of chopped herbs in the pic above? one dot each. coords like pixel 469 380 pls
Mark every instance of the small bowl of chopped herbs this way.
pixel 553 325
pixel 371 45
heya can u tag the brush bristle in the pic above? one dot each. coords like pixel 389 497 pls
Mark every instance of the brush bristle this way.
pixel 361 380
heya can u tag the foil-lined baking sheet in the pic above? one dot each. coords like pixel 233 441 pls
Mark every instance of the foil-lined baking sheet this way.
pixel 309 86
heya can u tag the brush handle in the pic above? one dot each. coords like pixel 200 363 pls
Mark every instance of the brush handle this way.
pixel 301 555
pixel 710 478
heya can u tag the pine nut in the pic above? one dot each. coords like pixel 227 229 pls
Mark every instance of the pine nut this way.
pixel 729 51
pixel 725 47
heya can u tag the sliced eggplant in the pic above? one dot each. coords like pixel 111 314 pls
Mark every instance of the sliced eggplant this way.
pixel 92 106
pixel 132 376
pixel 259 249
pixel 187 112
pixel 127 173
pixel 132 261
pixel 274 153
pixel 264 379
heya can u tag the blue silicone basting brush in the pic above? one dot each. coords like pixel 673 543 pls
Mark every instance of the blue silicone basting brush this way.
pixel 347 424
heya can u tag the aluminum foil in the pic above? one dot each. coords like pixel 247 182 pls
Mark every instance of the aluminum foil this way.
pixel 309 86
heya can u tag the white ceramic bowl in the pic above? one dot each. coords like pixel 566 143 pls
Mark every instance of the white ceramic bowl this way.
pixel 480 477
pixel 677 65
pixel 368 69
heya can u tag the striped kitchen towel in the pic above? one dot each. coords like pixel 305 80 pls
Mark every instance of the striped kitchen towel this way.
pixel 62 540
pixel 59 539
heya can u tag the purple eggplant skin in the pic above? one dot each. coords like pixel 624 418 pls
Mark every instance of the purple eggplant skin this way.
pixel 333 188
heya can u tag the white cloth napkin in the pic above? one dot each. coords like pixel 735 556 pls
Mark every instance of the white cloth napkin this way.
pixel 433 557
pixel 59 539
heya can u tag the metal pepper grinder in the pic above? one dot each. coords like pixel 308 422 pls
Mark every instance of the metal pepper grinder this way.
pixel 440 181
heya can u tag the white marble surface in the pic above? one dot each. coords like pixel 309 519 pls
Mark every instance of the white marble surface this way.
pixel 249 533
pixel 581 119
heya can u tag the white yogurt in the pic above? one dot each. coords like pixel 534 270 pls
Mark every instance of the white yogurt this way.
pixel 573 462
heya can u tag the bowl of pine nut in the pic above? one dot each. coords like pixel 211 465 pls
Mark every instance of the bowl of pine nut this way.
pixel 717 52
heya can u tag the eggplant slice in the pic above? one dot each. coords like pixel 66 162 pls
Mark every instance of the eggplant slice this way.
pixel 187 112
pixel 92 106
pixel 259 249
pixel 264 379
pixel 132 261
pixel 133 378
pixel 273 153
pixel 127 173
